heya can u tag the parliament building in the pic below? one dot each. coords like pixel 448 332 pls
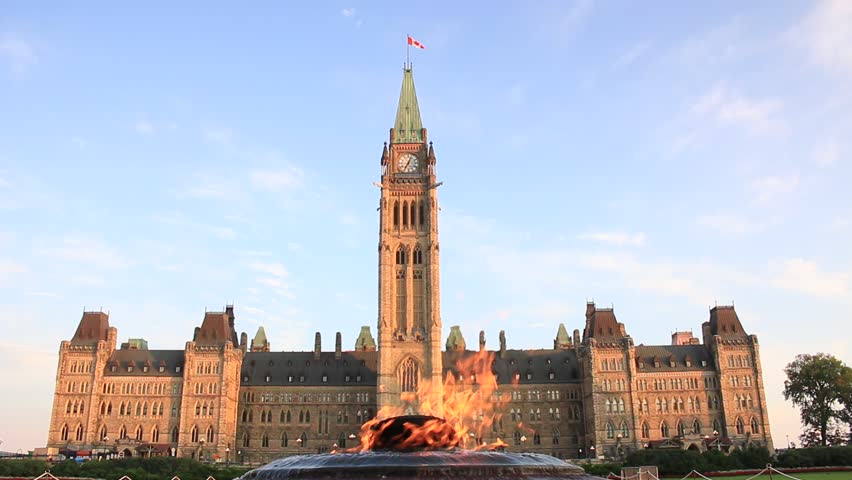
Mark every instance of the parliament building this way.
pixel 592 393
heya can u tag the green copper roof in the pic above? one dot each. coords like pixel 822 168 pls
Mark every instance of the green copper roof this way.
pixel 259 338
pixel 365 340
pixel 408 126
pixel 562 337
pixel 455 341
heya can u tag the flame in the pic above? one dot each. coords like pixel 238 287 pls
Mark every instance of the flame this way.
pixel 466 401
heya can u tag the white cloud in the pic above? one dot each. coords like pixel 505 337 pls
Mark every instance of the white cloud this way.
pixel 277 180
pixel 219 135
pixel 733 109
pixel 349 220
pixel 20 54
pixel 631 55
pixel 825 154
pixel 804 276
pixel 275 269
pixel 615 238
pixel 347 12
pixel 730 224
pixel 773 186
pixel 253 310
pixel 90 251
pixel 143 127
pixel 9 269
pixel 826 33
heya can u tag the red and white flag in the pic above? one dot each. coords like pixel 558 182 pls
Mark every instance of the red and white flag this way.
pixel 414 43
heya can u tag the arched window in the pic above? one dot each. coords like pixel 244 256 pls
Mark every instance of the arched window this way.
pixel 341 440
pixel 754 426
pixel 145 409
pixel 404 214
pixel 122 432
pixel 139 433
pixel 646 431
pixel 680 429
pixel 155 435
pixel 396 213
pixel 740 426
pixel 246 440
pixel 304 438
pixel 285 441
pixel 696 427
pixel 121 410
pixel 78 434
pixel 621 405
pixel 308 416
pixel 63 433
pixel 625 432
pixel 175 434
pixel 418 255
pixel 400 256
pixel 264 441
pixel 194 434
pixel 139 409
pixel 103 433
pixel 610 430
pixel 409 375
pixel 209 434
pixel 413 214
pixel 420 214
pixel 716 427
pixel 204 409
pixel 109 409
pixel 664 430
pixel 517 437
pixel 555 437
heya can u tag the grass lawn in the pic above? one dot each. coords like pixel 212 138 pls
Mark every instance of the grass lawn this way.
pixel 803 476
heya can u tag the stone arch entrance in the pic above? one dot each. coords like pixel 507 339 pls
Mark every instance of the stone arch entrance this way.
pixel 126 453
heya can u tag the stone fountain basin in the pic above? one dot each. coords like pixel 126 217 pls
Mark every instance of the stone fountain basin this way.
pixel 389 465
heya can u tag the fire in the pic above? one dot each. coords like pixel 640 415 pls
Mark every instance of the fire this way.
pixel 466 402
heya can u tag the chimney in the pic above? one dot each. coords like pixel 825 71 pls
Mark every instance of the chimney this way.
pixel 244 342
pixel 502 343
pixel 338 346
pixel 576 337
pixel 317 345
pixel 482 340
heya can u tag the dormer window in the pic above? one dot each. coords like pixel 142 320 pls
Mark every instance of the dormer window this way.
pixel 145 369
pixel 551 376
pixel 357 378
pixel 130 368
pixel 641 364
pixel 671 363
pixel 688 363
pixel 703 363
pixel 301 379
pixel 112 368
pixel 162 369
pixel 177 369
pixel 325 379
pixel 347 378
pixel 656 364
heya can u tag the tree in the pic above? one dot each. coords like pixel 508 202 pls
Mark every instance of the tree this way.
pixel 821 386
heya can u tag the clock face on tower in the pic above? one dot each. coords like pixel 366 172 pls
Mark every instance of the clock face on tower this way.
pixel 407 163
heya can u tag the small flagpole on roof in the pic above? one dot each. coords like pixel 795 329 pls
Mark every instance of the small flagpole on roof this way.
pixel 407 50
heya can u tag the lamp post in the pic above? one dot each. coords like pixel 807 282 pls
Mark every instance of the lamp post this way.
pixel 716 437
pixel 618 444
pixel 228 454
pixel 201 450
pixel 299 444
pixel 523 442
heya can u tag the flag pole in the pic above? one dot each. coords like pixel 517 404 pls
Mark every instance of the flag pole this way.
pixel 407 50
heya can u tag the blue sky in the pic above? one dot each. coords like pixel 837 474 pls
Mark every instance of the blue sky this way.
pixel 659 157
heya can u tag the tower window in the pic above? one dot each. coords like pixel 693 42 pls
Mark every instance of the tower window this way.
pixel 405 214
pixel 408 375
pixel 420 214
pixel 413 213
pixel 400 256
pixel 418 256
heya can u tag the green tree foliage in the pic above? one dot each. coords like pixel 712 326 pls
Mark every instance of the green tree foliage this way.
pixel 821 386
pixel 681 462
pixel 815 457
pixel 157 468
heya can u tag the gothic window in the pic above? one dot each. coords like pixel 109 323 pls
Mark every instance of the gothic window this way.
pixel 341 440
pixel 264 442
pixel 197 409
pixel 246 440
pixel 139 433
pixel 284 440
pixel 413 214
pixel 740 426
pixel 664 430
pixel 680 430
pixel 78 435
pixel 63 433
pixel 625 432
pixel 194 434
pixel 209 434
pixel 122 433
pixel 396 213
pixel 610 430
pixel 145 409
pixel 754 426
pixel 517 437
pixel 155 435
pixel 696 427
pixel 404 214
pixel 621 405
pixel 420 214
pixel 409 375
pixel 608 406
pixel 536 438
pixel 304 438
pixel 103 433
pixel 716 426
pixel 308 416
pixel 175 434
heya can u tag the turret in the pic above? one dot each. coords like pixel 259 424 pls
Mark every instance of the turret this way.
pixel 482 340
pixel 338 346
pixel 317 345
pixel 455 341
pixel 502 343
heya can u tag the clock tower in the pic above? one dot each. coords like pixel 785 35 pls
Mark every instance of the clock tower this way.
pixel 409 322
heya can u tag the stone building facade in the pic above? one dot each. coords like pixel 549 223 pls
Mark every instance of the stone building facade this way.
pixel 224 398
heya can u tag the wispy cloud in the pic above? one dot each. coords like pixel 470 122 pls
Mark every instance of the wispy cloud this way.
pixel 224 233
pixel 143 127
pixel 730 224
pixel 733 109
pixel 771 187
pixel 272 268
pixel 88 250
pixel 18 53
pixel 348 12
pixel 826 34
pixel 10 269
pixel 219 135
pixel 349 220
pixel 631 55
pixel 804 276
pixel 277 180
pixel 620 239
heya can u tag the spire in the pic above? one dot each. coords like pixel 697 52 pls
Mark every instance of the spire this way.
pixel 562 339
pixel 408 127
pixel 260 343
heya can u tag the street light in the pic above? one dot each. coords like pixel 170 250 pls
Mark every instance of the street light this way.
pixel 716 436
pixel 299 444
pixel 228 455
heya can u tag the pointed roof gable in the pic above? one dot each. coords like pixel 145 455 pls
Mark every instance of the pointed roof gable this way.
pixel 408 128
pixel 215 329
pixel 365 340
pixel 93 328
pixel 602 325
pixel 563 340
pixel 455 341
pixel 260 343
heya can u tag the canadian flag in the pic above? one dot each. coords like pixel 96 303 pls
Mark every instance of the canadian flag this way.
pixel 415 43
